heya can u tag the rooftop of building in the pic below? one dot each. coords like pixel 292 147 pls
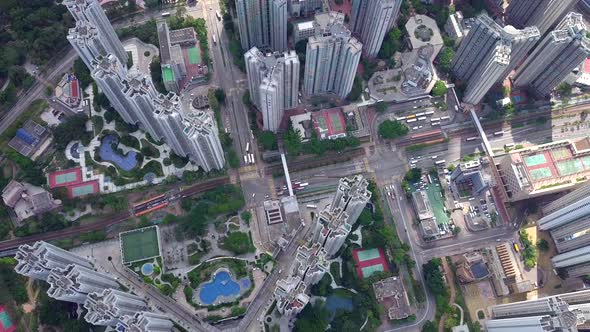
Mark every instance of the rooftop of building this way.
pixel 551 165
pixel 182 36
pixel 29 138
pixel 390 292
pixel 422 204
pixel 422 31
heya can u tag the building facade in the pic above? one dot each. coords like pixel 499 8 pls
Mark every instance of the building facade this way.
pixel 351 196
pixel 144 321
pixel 562 312
pixel 273 80
pixel 37 260
pixel 331 62
pixel 290 296
pixel 371 20
pixel 488 54
pixel 109 306
pixel 310 263
pixel 91 14
pixel 263 24
pixel 74 283
pixel 544 14
pixel 562 50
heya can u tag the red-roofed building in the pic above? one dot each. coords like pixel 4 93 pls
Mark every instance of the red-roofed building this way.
pixel 68 91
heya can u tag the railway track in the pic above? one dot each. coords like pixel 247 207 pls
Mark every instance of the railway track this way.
pixel 106 222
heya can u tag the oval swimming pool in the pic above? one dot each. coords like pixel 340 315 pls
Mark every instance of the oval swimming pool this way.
pixel 221 285
pixel 147 269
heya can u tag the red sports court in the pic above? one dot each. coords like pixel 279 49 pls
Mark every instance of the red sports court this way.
pixel 72 180
pixel 6 324
pixel 369 261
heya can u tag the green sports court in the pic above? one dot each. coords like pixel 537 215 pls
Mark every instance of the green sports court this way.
pixel 540 173
pixel 569 167
pixel 194 56
pixel 167 74
pixel 139 244
pixel 534 160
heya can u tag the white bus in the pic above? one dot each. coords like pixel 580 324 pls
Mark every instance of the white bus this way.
pixel 508 145
pixel 251 156
pixel 429 113
pixel 469 139
pixel 246 159
pixel 435 120
pixel 214 39
pixel 165 14
pixel 218 14
pixel 445 118
pixel 499 133
pixel 420 114
pixel 422 118
pixel 434 124
pixel 247 146
pixel 411 120
pixel 312 206
pixel 400 119
pixel 440 162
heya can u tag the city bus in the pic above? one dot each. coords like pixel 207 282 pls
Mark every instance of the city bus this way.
pixel 440 162
pixel 214 39
pixel 165 14
pixel 469 139
pixel 218 14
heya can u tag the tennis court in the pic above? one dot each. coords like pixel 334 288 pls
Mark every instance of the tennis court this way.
pixel 194 56
pixel 336 122
pixel 561 154
pixel 369 254
pixel 568 167
pixel 540 173
pixel 6 324
pixel 535 160
pixel 84 189
pixel 167 74
pixel 65 177
pixel 370 270
pixel 140 244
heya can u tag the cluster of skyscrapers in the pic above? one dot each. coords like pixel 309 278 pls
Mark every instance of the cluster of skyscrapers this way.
pixel 329 233
pixel 542 45
pixel 73 279
pixel 332 54
pixel 133 94
pixel 564 312
pixel 568 221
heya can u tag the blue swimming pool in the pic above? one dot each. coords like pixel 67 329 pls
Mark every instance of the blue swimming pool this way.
pixel 126 162
pixel 221 285
pixel 147 269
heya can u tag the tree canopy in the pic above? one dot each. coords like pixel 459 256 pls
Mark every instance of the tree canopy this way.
pixel 439 89
pixel 445 59
pixel 392 129
pixel 292 140
pixel 72 128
